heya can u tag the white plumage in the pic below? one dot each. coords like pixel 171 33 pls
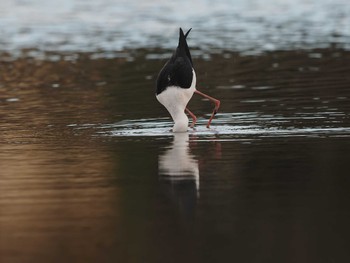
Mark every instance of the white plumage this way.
pixel 175 100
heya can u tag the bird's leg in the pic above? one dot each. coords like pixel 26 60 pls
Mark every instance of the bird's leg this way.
pixel 216 102
pixel 194 118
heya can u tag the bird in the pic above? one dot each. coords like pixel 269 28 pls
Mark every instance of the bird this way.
pixel 176 84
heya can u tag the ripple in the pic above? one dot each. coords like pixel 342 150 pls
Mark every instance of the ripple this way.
pixel 232 124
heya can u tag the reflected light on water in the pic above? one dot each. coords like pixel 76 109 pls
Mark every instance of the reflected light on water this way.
pixel 91 173
pixel 176 163
pixel 179 173
pixel 233 125
pixel 53 202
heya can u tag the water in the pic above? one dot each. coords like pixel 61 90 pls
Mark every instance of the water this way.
pixel 90 171
pixel 246 124
pixel 109 26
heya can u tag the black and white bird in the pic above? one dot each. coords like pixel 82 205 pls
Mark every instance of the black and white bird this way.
pixel 176 84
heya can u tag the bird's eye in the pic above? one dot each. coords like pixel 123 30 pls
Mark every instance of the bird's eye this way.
pixel 169 78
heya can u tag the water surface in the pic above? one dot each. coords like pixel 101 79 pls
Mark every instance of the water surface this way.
pixel 250 26
pixel 90 172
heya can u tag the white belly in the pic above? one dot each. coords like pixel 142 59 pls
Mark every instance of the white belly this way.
pixel 175 98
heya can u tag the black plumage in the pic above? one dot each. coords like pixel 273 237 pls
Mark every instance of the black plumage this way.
pixel 178 71
pixel 176 83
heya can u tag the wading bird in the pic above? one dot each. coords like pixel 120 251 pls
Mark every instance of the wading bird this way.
pixel 176 84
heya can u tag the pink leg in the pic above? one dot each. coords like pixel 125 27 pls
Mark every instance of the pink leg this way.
pixel 194 118
pixel 216 102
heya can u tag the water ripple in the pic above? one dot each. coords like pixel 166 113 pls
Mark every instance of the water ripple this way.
pixel 233 124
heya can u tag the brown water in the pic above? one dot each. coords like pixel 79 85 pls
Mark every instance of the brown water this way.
pixel 91 173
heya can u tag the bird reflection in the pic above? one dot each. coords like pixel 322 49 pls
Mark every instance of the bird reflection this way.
pixel 179 174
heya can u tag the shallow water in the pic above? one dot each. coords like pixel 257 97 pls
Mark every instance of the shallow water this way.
pixel 229 125
pixel 90 171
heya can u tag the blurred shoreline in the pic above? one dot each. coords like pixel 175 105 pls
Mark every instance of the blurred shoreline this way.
pixel 245 26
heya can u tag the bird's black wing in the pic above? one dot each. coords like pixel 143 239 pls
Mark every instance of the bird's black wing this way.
pixel 177 72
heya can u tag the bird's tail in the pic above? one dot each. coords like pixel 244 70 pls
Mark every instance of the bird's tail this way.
pixel 183 47
pixel 187 32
